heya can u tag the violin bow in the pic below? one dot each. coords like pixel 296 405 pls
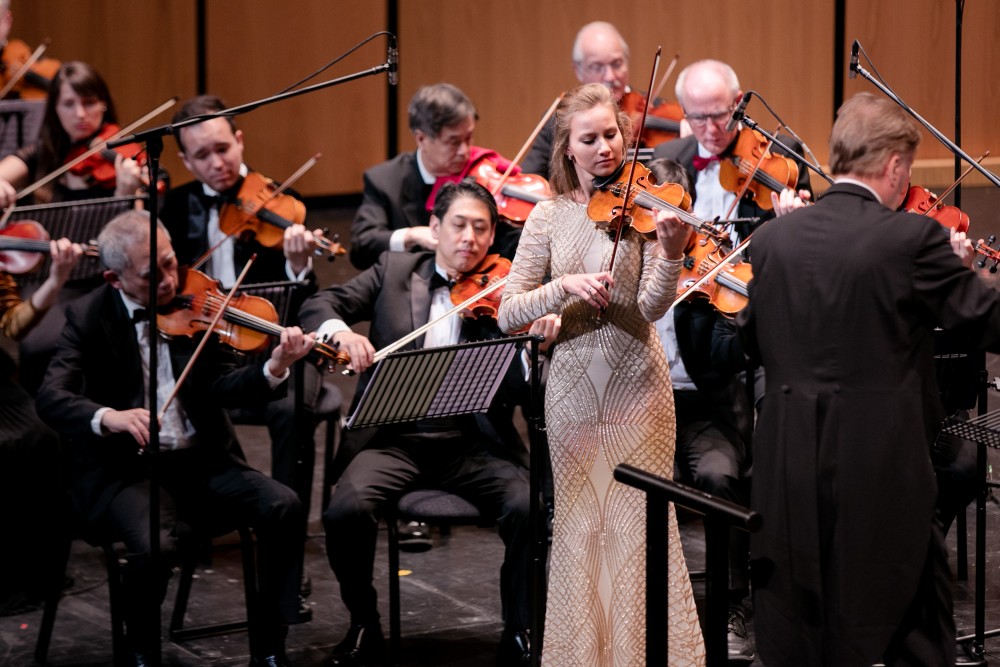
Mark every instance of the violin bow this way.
pixel 527 145
pixel 666 76
pixel 204 339
pixel 951 187
pixel 419 331
pixel 309 164
pixel 25 68
pixel 714 271
pixel 635 159
pixel 746 183
pixel 100 146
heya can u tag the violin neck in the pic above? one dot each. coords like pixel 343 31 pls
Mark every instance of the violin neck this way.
pixel 25 245
pixel 272 218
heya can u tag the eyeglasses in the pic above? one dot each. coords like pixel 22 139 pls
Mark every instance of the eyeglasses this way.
pixel 701 119
pixel 597 69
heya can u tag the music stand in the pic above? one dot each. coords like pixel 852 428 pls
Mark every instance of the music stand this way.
pixel 457 380
pixel 20 123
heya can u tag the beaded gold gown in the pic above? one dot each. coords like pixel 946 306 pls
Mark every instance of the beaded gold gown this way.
pixel 608 400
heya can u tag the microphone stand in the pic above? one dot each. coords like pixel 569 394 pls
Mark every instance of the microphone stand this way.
pixel 949 144
pixel 752 124
pixel 153 138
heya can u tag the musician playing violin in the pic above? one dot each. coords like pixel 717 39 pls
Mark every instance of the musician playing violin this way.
pixel 93 395
pixel 398 195
pixel 478 457
pixel 77 109
pixel 709 91
pixel 213 152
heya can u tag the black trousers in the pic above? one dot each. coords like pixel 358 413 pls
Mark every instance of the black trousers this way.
pixel 712 457
pixel 208 489
pixel 378 476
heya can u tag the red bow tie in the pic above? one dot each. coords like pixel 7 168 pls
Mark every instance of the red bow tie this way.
pixel 703 162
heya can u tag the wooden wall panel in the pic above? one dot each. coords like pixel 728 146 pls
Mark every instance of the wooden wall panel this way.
pixel 912 43
pixel 144 50
pixel 512 58
pixel 258 47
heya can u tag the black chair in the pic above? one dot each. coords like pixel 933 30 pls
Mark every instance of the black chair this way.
pixel 52 597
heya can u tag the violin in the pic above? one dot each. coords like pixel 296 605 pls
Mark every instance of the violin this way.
pixel 607 208
pixel 515 195
pixel 260 211
pixel 490 271
pixel 774 173
pixel 98 170
pixel 923 201
pixel 24 245
pixel 663 119
pixel 247 325
pixel 728 290
pixel 35 83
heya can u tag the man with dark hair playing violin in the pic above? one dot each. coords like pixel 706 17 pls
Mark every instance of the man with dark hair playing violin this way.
pixel 398 194
pixel 203 219
pixel 479 458
pixel 93 395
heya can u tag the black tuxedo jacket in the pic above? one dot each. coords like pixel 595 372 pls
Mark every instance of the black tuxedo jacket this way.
pixel 97 364
pixel 394 296
pixel 185 215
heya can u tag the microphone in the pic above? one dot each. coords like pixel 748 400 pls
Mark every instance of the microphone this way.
pixel 853 70
pixel 393 62
pixel 739 112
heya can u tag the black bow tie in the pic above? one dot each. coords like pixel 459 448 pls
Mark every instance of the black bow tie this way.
pixel 140 315
pixel 437 280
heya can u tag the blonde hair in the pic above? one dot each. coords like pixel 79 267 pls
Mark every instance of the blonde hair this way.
pixel 562 174
pixel 867 132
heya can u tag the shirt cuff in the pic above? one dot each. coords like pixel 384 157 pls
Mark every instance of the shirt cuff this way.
pixel 397 240
pixel 301 277
pixel 272 379
pixel 95 422
pixel 326 331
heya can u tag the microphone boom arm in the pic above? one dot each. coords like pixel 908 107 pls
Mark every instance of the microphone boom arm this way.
pixel 948 143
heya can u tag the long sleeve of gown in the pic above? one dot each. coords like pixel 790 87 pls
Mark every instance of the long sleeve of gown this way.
pixel 524 297
pixel 658 284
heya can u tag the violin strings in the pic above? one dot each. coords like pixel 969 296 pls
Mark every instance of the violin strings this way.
pixel 762 177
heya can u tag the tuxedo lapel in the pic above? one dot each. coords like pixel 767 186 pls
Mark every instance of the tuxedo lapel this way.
pixel 420 298
pixel 123 347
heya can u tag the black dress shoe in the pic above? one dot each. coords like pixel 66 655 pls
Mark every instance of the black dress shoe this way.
pixel 514 649
pixel 363 646
pixel 139 660
pixel 415 536
pixel 740 648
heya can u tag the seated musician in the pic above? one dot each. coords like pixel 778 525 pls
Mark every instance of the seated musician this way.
pixel 600 55
pixel 483 461
pixel 32 507
pixel 93 395
pixel 709 91
pixel 399 194
pixel 77 109
pixel 197 215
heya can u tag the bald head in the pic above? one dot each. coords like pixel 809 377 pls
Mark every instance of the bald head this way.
pixel 600 55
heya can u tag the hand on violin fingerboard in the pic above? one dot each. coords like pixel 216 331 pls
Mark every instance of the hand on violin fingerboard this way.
pixel 293 346
pixel 789 200
pixel 548 327
pixel 128 176
pixel 591 287
pixel 357 347
pixel 672 234
pixel 298 247
pixel 964 248
pixel 419 236
pixel 134 422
